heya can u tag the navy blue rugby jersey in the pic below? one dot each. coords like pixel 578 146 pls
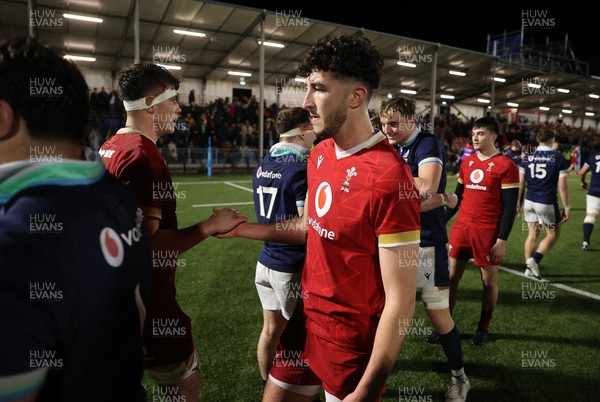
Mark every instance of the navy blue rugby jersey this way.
pixel 419 150
pixel 280 186
pixel 72 252
pixel 542 168
pixel 593 161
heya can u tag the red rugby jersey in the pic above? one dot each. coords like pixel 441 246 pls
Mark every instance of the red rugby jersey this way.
pixel 358 200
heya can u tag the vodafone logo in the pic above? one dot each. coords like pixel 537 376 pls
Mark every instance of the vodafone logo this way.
pixel 476 176
pixel 112 247
pixel 323 199
pixel 267 174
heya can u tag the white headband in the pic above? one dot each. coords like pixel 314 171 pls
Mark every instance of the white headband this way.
pixel 294 132
pixel 149 101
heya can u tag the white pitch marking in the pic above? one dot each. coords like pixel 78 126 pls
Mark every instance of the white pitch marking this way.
pixel 225 204
pixel 556 284
pixel 238 186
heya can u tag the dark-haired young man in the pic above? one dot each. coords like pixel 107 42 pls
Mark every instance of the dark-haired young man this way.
pixel 74 258
pixel 149 94
pixel 279 186
pixel 487 190
pixel 361 228
pixel 544 173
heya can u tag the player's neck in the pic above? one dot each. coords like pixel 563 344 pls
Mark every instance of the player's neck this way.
pixel 352 133
pixel 22 146
pixel 142 126
pixel 486 153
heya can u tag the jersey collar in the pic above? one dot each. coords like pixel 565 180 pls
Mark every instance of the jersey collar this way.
pixel 482 157
pixel 21 175
pixel 411 139
pixel 377 137
pixel 287 148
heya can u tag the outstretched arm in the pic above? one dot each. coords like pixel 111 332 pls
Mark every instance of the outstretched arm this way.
pixel 181 240
pixel 292 231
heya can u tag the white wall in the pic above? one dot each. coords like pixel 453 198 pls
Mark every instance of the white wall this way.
pixel 186 86
pixel 98 79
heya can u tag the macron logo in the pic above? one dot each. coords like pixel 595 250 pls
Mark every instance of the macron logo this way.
pixel 319 161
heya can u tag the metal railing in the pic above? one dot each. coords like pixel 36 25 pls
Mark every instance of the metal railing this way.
pixel 223 159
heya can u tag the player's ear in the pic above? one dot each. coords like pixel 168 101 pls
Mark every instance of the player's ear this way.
pixel 412 121
pixel 358 96
pixel 8 120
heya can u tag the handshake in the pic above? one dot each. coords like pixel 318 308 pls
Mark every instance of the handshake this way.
pixel 222 222
pixel 449 200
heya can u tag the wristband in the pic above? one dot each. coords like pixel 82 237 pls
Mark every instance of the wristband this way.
pixel 567 208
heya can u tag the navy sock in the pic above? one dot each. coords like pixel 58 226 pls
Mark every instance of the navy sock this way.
pixel 587 231
pixel 538 257
pixel 485 318
pixel 452 345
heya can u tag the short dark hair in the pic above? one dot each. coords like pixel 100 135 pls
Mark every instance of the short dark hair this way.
pixel 406 107
pixel 46 90
pixel 546 134
pixel 289 119
pixel 144 79
pixel 345 56
pixel 489 123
